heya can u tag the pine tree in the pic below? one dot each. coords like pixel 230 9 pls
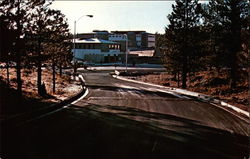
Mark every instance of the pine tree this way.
pixel 183 22
pixel 7 42
pixel 19 13
pixel 58 45
pixel 38 35
pixel 226 20
pixel 15 12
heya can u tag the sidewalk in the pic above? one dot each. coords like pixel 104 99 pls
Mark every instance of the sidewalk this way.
pixel 120 66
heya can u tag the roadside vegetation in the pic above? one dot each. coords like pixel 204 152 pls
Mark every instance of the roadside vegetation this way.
pixel 205 48
pixel 206 82
pixel 211 36
pixel 33 36
pixel 11 103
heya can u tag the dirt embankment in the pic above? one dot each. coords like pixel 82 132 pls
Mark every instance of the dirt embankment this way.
pixel 65 87
pixel 206 82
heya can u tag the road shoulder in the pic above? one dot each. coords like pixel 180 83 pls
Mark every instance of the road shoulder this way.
pixel 242 114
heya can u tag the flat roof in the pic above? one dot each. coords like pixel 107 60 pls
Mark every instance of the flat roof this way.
pixel 94 41
pixel 86 33
pixel 124 32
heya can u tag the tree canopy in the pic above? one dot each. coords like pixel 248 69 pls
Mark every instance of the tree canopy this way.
pixel 207 35
pixel 33 34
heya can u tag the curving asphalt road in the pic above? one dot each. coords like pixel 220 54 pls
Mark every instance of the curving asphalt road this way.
pixel 114 95
pixel 120 119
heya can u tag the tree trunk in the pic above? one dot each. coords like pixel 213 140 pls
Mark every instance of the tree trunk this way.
pixel 75 69
pixel 18 74
pixel 39 70
pixel 235 45
pixel 233 70
pixel 178 79
pixel 184 73
pixel 218 70
pixel 60 70
pixel 175 73
pixel 184 49
pixel 8 73
pixel 54 76
pixel 39 77
pixel 18 55
pixel 189 77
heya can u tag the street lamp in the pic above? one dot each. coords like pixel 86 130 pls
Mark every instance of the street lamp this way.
pixel 74 41
pixel 126 51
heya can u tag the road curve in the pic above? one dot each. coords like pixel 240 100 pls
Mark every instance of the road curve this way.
pixel 114 95
pixel 124 120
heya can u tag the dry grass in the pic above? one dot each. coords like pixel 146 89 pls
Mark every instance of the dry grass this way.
pixel 65 87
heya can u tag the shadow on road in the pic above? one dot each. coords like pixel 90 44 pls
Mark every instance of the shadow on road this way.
pixel 96 131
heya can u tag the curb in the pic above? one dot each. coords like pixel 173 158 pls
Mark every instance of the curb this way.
pixel 53 107
pixel 200 96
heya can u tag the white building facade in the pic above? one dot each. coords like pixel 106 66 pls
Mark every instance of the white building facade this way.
pixel 97 51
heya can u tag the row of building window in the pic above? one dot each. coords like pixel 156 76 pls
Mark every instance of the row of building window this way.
pixel 91 46
pixel 100 54
pixel 117 36
pixel 85 46
pixel 114 46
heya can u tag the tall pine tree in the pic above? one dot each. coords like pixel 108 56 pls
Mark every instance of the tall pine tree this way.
pixel 183 22
pixel 227 19
pixel 58 45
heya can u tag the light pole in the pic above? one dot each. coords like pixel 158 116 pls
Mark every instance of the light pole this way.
pixel 74 41
pixel 126 51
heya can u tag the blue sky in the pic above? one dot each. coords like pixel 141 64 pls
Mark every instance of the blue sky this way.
pixel 116 15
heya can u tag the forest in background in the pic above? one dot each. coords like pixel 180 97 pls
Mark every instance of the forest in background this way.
pixel 205 37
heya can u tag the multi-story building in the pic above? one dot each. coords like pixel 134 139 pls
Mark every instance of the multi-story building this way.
pixel 149 40
pixel 100 34
pixel 97 50
pixel 119 38
pixel 102 46
pixel 138 39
